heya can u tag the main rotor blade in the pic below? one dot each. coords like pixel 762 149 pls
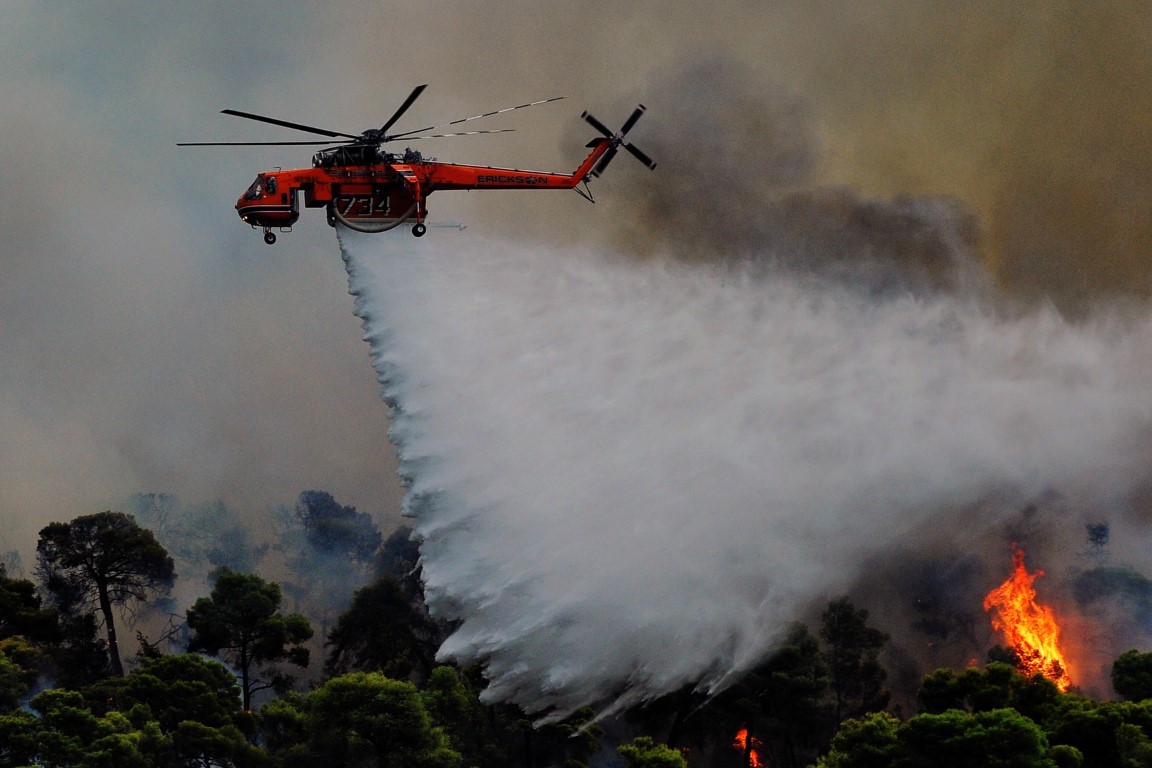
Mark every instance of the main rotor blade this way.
pixel 404 107
pixel 476 117
pixel 461 133
pixel 632 120
pixel 286 124
pixel 641 156
pixel 254 143
pixel 598 125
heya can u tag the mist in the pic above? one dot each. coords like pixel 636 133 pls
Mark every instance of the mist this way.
pixel 630 476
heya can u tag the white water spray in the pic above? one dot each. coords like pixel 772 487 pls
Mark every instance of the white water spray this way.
pixel 633 476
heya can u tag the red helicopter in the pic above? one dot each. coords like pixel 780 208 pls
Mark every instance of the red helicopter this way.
pixel 370 190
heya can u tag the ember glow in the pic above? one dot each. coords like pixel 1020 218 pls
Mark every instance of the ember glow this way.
pixel 741 743
pixel 1029 627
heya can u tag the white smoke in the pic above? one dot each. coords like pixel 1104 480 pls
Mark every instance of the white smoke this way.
pixel 630 476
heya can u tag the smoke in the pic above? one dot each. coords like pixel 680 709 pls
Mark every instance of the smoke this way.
pixel 630 476
pixel 907 153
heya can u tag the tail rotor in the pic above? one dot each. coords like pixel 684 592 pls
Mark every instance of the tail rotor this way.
pixel 617 141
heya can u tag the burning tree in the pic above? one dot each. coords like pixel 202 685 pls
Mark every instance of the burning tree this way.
pixel 1029 627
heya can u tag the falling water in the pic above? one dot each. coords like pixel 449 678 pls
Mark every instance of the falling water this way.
pixel 630 476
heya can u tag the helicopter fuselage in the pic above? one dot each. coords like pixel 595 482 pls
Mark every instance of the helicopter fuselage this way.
pixel 378 196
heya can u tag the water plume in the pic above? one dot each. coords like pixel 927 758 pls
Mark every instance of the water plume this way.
pixel 630 476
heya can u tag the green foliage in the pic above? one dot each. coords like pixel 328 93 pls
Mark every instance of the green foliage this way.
pixel 1132 675
pixel 82 657
pixel 19 668
pixel 283 728
pixel 97 561
pixel 241 621
pixel 399 557
pixel 383 630
pixel 643 752
pixel 783 702
pixel 329 548
pixel 867 742
pixel 335 529
pixel 21 612
pixel 19 739
pixel 365 716
pixel 1065 756
pixel 224 746
pixel 998 738
pixel 1098 730
pixel 1134 746
pixel 453 704
pixel 570 742
pixel 180 688
pixel 852 651
pixel 995 686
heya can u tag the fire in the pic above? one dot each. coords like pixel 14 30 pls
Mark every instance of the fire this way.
pixel 1029 627
pixel 741 743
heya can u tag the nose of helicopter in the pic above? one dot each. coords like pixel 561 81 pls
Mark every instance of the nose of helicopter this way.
pixel 265 204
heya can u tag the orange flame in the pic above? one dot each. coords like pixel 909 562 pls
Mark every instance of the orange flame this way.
pixel 1029 628
pixel 741 743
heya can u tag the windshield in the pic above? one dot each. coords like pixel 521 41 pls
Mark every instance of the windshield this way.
pixel 256 191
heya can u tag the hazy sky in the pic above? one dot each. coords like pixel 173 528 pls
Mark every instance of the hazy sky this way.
pixel 151 342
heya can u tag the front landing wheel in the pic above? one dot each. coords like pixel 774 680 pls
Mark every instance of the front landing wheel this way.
pixel 270 237
pixel 418 230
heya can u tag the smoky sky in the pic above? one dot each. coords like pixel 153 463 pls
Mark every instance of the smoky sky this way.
pixel 151 342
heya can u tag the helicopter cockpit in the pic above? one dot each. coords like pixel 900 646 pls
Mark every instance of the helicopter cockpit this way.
pixel 263 184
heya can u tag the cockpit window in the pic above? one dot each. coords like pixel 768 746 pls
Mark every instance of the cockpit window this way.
pixel 270 185
pixel 256 191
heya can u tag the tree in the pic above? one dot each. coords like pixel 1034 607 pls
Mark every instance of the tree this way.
pixel 570 742
pixel 335 529
pixel 852 648
pixel 869 742
pixel 383 630
pixel 241 621
pixel 643 752
pixel 183 687
pixel 103 560
pixel 1132 675
pixel 453 705
pixel 19 668
pixel 399 557
pixel 283 728
pixel 995 686
pixel 998 738
pixel 365 718
pixel 21 612
pixel 782 703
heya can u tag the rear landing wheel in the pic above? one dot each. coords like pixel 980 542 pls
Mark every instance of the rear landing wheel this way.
pixel 418 230
pixel 270 237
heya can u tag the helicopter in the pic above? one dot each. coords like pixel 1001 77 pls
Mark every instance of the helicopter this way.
pixel 368 189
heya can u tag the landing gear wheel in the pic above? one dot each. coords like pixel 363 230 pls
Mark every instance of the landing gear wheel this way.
pixel 270 237
pixel 418 230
